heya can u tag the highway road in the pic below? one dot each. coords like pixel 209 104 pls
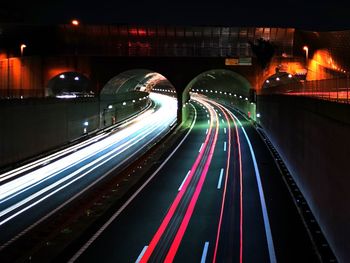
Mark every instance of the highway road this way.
pixel 31 193
pixel 218 197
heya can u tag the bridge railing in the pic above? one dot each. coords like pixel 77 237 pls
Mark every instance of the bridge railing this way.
pixel 337 89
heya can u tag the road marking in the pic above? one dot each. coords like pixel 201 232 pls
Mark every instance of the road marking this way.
pixel 225 130
pixel 262 198
pixel 141 254
pixel 224 190
pixel 208 121
pixel 200 148
pixel 208 115
pixel 224 146
pixel 171 211
pixel 184 180
pixel 223 121
pixel 206 132
pixel 220 178
pixel 219 114
pixel 186 219
pixel 205 252
pixel 121 209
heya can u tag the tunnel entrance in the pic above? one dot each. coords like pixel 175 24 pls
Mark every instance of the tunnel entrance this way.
pixel 70 85
pixel 128 92
pixel 225 86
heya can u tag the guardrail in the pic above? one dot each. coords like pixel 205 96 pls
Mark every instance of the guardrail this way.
pixel 337 90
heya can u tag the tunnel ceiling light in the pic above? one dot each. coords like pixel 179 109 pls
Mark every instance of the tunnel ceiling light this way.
pixel 258 115
pixel 76 78
pixel 62 76
pixel 110 106
pixel 267 81
pixel 235 95
pixel 246 98
pixel 290 76
pixel 230 94
pixel 86 123
pixel 277 78
pixel 124 103
pixel 240 97
pixel 133 101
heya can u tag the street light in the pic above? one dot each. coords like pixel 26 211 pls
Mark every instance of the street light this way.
pixel 23 46
pixel 75 22
pixel 306 49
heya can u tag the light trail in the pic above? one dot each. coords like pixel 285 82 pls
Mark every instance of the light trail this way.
pixel 268 233
pixel 186 219
pixel 217 240
pixel 174 205
pixel 95 164
pixel 224 109
pixel 46 160
pixel 120 210
pixel 102 151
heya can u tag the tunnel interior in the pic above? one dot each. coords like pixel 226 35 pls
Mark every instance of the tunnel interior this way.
pixel 128 93
pixel 134 81
pixel 281 79
pixel 70 85
pixel 224 85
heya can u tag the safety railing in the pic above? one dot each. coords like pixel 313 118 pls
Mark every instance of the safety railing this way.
pixel 337 90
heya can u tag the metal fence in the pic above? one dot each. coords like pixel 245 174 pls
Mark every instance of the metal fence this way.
pixel 337 90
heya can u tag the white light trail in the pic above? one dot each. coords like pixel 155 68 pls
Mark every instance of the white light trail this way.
pixel 100 151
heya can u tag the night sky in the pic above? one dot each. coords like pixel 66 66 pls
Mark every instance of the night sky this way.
pixel 312 14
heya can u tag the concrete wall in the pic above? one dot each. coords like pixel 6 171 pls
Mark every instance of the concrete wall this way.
pixel 32 126
pixel 29 127
pixel 312 137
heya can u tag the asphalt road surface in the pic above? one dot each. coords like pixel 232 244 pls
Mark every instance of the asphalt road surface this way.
pixel 218 198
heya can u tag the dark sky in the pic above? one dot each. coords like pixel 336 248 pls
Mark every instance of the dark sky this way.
pixel 312 14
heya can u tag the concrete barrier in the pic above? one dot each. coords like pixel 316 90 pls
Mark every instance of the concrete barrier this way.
pixel 31 127
pixel 312 136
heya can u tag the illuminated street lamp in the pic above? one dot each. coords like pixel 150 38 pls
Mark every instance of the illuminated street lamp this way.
pixel 23 46
pixel 306 49
pixel 75 22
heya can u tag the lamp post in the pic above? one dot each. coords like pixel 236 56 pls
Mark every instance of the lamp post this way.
pixel 75 23
pixel 23 46
pixel 306 49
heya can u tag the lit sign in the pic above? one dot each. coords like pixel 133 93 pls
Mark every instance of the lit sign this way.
pixel 231 61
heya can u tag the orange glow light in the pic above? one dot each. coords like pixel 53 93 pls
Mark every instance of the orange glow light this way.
pixel 23 46
pixel 75 22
